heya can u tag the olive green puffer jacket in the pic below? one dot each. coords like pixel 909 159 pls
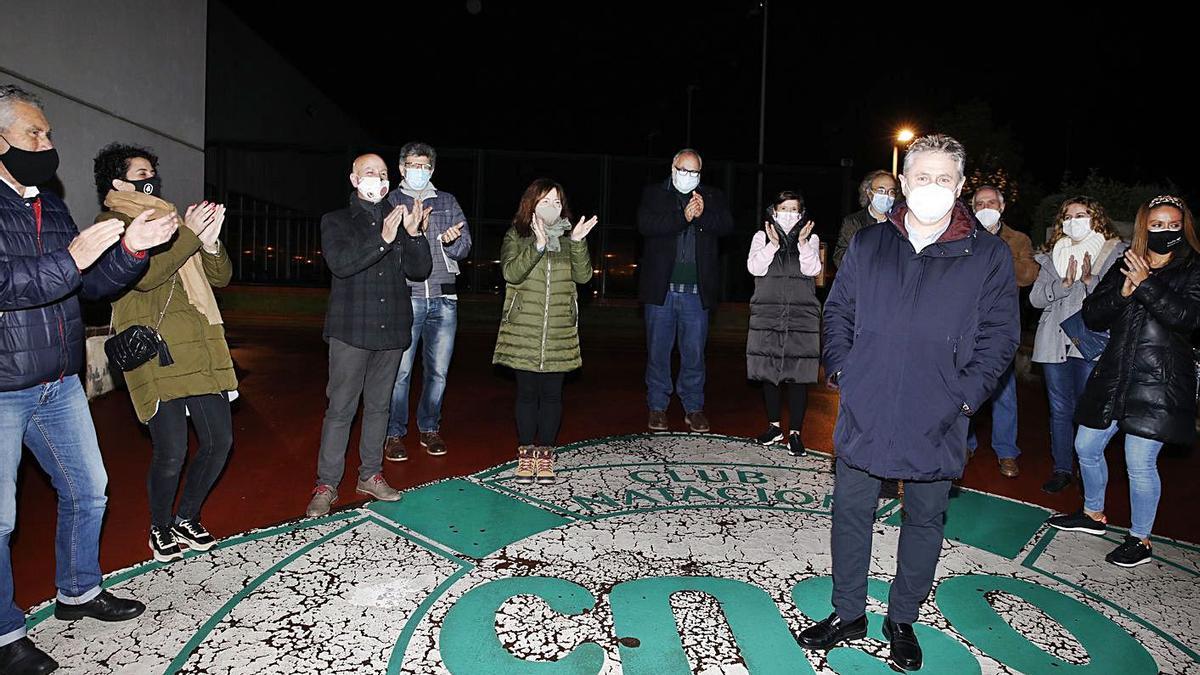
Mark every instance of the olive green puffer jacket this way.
pixel 539 329
pixel 202 362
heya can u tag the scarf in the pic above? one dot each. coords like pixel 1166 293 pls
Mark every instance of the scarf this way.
pixel 554 231
pixel 428 193
pixel 1067 247
pixel 195 283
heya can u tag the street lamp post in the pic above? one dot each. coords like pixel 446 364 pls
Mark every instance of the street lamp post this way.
pixel 902 136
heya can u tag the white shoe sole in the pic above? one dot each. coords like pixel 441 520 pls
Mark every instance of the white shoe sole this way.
pixel 1143 561
pixel 771 442
pixel 164 558
pixel 195 546
pixel 1094 533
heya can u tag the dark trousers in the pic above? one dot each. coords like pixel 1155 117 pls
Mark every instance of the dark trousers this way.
pixel 355 372
pixel 169 434
pixel 539 407
pixel 855 501
pixel 797 403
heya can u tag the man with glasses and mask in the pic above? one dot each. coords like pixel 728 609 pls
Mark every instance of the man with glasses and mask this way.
pixel 988 205
pixel 46 264
pixel 876 194
pixel 680 221
pixel 434 302
pixel 919 326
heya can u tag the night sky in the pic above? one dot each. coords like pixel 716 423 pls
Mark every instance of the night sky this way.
pixel 1048 92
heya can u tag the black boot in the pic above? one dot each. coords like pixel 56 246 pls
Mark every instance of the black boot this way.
pixel 24 658
pixel 832 631
pixel 906 651
pixel 105 607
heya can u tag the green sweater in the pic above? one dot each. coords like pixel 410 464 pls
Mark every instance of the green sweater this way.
pixel 539 329
pixel 202 362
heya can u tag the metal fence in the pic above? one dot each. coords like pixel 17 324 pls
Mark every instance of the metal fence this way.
pixel 275 196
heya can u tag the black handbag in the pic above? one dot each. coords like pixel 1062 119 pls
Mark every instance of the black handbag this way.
pixel 138 344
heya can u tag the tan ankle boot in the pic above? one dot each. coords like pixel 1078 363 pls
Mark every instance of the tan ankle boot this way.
pixel 544 459
pixel 526 467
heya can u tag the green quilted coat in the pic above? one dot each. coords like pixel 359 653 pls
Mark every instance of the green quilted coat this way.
pixel 539 329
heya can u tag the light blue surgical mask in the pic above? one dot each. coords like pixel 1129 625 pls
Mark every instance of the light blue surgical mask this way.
pixel 882 203
pixel 417 179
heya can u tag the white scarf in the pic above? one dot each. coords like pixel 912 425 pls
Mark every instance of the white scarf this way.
pixel 1067 247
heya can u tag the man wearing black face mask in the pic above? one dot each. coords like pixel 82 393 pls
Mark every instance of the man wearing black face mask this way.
pixel 45 264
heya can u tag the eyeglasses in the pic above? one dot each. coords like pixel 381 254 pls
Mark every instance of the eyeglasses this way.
pixel 891 192
pixel 687 172
pixel 411 165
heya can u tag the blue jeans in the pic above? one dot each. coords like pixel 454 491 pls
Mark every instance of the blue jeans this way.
pixel 1064 385
pixel 681 318
pixel 1141 459
pixel 54 422
pixel 435 323
pixel 1004 418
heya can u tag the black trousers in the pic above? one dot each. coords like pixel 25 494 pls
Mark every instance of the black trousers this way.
pixel 539 407
pixel 797 403
pixel 855 501
pixel 169 435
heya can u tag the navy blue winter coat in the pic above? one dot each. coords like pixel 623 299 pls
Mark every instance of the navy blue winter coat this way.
pixel 41 330
pixel 918 342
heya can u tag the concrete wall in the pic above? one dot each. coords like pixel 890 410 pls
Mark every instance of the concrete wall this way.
pixel 130 71
pixel 259 105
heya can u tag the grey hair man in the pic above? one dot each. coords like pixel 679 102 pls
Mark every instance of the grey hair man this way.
pixel 434 303
pixel 920 324
pixel 876 194
pixel 46 264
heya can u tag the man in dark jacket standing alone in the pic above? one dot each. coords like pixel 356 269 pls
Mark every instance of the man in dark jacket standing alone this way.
pixel 678 280
pixel 45 264
pixel 368 324
pixel 920 324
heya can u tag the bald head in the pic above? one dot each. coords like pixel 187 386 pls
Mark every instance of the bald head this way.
pixel 687 159
pixel 370 166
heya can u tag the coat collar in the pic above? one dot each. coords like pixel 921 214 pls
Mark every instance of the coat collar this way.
pixel 957 240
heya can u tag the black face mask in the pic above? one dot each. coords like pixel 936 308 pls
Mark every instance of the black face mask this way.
pixel 30 168
pixel 150 186
pixel 1163 242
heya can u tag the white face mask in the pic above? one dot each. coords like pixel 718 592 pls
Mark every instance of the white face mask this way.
pixel 882 203
pixel 372 188
pixel 787 219
pixel 684 183
pixel 930 203
pixel 990 219
pixel 549 214
pixel 1077 228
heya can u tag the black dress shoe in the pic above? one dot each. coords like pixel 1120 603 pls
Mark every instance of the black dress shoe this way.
pixel 832 631
pixel 24 658
pixel 105 607
pixel 906 651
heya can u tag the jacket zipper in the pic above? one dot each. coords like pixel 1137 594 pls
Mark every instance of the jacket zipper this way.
pixel 545 316
pixel 62 333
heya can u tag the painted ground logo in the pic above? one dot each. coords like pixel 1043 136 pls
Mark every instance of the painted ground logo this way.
pixel 654 554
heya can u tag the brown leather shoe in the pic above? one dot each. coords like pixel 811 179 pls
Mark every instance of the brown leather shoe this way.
pixel 394 450
pixel 658 420
pixel 526 465
pixel 1009 468
pixel 697 422
pixel 433 443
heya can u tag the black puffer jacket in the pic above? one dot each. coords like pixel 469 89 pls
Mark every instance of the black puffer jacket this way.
pixel 1146 377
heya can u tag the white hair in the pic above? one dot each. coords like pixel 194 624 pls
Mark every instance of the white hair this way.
pixel 10 94
pixel 993 188
pixel 940 143
pixel 687 151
